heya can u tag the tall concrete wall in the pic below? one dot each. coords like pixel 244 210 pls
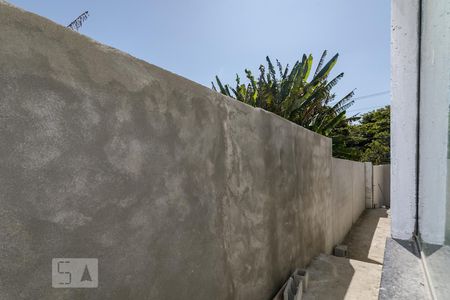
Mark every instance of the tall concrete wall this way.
pixel 382 185
pixel 349 195
pixel 178 191
pixel 359 190
pixel 368 167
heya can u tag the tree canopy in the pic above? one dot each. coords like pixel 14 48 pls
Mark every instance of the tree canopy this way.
pixel 309 101
pixel 367 139
pixel 295 94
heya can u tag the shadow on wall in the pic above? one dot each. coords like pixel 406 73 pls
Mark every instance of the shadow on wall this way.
pixel 381 185
pixel 348 196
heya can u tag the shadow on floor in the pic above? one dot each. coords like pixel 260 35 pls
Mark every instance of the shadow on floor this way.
pixel 363 244
pixel 356 277
pixel 330 278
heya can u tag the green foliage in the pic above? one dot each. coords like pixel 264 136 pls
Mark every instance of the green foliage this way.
pixel 291 93
pixel 369 138
pixel 310 102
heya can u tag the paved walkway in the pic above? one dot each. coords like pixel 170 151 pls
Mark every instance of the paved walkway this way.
pixel 357 277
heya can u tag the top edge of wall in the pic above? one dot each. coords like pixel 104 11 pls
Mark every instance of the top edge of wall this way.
pixel 85 41
pixel 349 160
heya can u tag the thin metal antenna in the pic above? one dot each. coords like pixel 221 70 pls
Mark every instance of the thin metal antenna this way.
pixel 78 22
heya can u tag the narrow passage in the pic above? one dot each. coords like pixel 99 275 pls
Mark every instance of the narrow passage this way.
pixel 357 277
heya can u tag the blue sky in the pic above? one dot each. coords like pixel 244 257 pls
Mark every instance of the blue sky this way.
pixel 201 38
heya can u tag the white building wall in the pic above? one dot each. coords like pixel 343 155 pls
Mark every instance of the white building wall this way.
pixel 434 109
pixel 404 81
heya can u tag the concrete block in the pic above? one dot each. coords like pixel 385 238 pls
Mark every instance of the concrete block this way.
pixel 288 293
pixel 304 277
pixel 279 295
pixel 298 281
pixel 299 294
pixel 293 289
pixel 341 251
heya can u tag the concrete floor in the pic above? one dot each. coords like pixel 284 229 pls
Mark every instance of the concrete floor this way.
pixel 356 277
pixel 438 265
pixel 403 274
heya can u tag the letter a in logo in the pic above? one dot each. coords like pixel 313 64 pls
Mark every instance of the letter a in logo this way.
pixel 74 272
pixel 86 276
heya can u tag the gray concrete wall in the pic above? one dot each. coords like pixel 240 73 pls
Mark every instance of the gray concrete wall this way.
pixel 382 185
pixel 348 195
pixel 368 167
pixel 359 190
pixel 178 191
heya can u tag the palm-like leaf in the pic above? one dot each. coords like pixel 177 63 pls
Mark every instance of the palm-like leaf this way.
pixel 293 96
pixel 323 73
pixel 321 61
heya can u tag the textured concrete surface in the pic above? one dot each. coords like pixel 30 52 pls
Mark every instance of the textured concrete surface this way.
pixel 177 190
pixel 359 190
pixel 368 169
pixel 404 114
pixel 357 277
pixel 336 278
pixel 437 259
pixel 348 196
pixel 403 276
pixel 382 185
pixel 434 120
